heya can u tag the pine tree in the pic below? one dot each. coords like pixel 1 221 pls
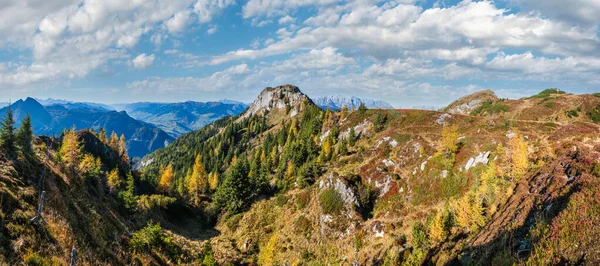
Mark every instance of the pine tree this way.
pixel 128 195
pixel 70 149
pixel 7 133
pixel 352 137
pixel 114 142
pixel 24 136
pixel 362 109
pixel 235 192
pixel 166 179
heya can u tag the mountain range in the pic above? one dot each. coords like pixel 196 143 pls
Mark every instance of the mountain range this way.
pixel 336 102
pixel 484 181
pixel 179 118
pixel 141 137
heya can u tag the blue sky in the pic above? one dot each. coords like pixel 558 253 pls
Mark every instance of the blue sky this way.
pixel 406 52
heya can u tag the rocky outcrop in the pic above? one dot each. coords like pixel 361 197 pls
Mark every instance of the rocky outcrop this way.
pixel 277 98
pixel 469 103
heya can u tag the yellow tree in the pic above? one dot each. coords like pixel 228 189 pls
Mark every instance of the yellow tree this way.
pixel 90 165
pixel 519 156
pixel 289 172
pixel 114 142
pixel 102 135
pixel 436 231
pixel 266 256
pixel 449 137
pixel 344 111
pixel 213 181
pixel 113 180
pixel 71 149
pixel 166 179
pixel 327 149
pixel 122 145
pixel 326 116
pixel 198 180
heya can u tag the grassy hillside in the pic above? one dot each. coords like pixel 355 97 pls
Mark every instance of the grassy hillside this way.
pixel 403 186
pixel 292 184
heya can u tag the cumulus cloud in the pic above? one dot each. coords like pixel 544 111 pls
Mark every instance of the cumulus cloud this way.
pixel 387 31
pixel 143 61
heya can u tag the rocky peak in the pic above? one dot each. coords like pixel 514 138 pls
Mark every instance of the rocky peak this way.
pixel 466 104
pixel 277 98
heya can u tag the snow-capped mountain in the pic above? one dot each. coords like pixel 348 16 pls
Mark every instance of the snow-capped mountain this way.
pixel 337 102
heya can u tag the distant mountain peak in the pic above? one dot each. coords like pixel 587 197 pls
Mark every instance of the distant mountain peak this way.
pixel 277 98
pixel 336 102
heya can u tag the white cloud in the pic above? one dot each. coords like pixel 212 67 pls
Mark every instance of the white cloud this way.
pixel 178 22
pixel 286 20
pixel 143 61
pixel 388 31
pixel 212 29
pixel 254 8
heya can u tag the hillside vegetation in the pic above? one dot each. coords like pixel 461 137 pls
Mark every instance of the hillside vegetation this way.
pixel 288 183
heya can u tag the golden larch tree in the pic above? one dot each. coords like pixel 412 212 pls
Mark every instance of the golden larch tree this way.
pixel 70 149
pixel 213 181
pixel 114 142
pixel 449 137
pixel 436 231
pixel 198 181
pixel 166 179
pixel 122 146
pixel 113 180
pixel 519 156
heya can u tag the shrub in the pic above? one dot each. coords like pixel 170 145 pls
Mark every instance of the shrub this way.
pixel 207 256
pixel 331 201
pixel 594 115
pixel 281 200
pixel 547 93
pixel 147 238
pixel 572 113
pixel 550 104
pixel 302 200
pixel 146 202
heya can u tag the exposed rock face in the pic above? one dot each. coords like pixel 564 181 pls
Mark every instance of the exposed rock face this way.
pixel 277 98
pixel 469 103
pixel 482 158
pixel 346 192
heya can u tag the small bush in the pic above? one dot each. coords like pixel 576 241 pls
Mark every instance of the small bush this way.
pixel 547 93
pixel 281 200
pixel 331 201
pixel 550 104
pixel 302 200
pixel 147 238
pixel 572 113
pixel 147 203
pixel 594 115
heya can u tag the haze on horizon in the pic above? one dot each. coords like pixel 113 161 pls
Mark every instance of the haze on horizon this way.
pixel 406 52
